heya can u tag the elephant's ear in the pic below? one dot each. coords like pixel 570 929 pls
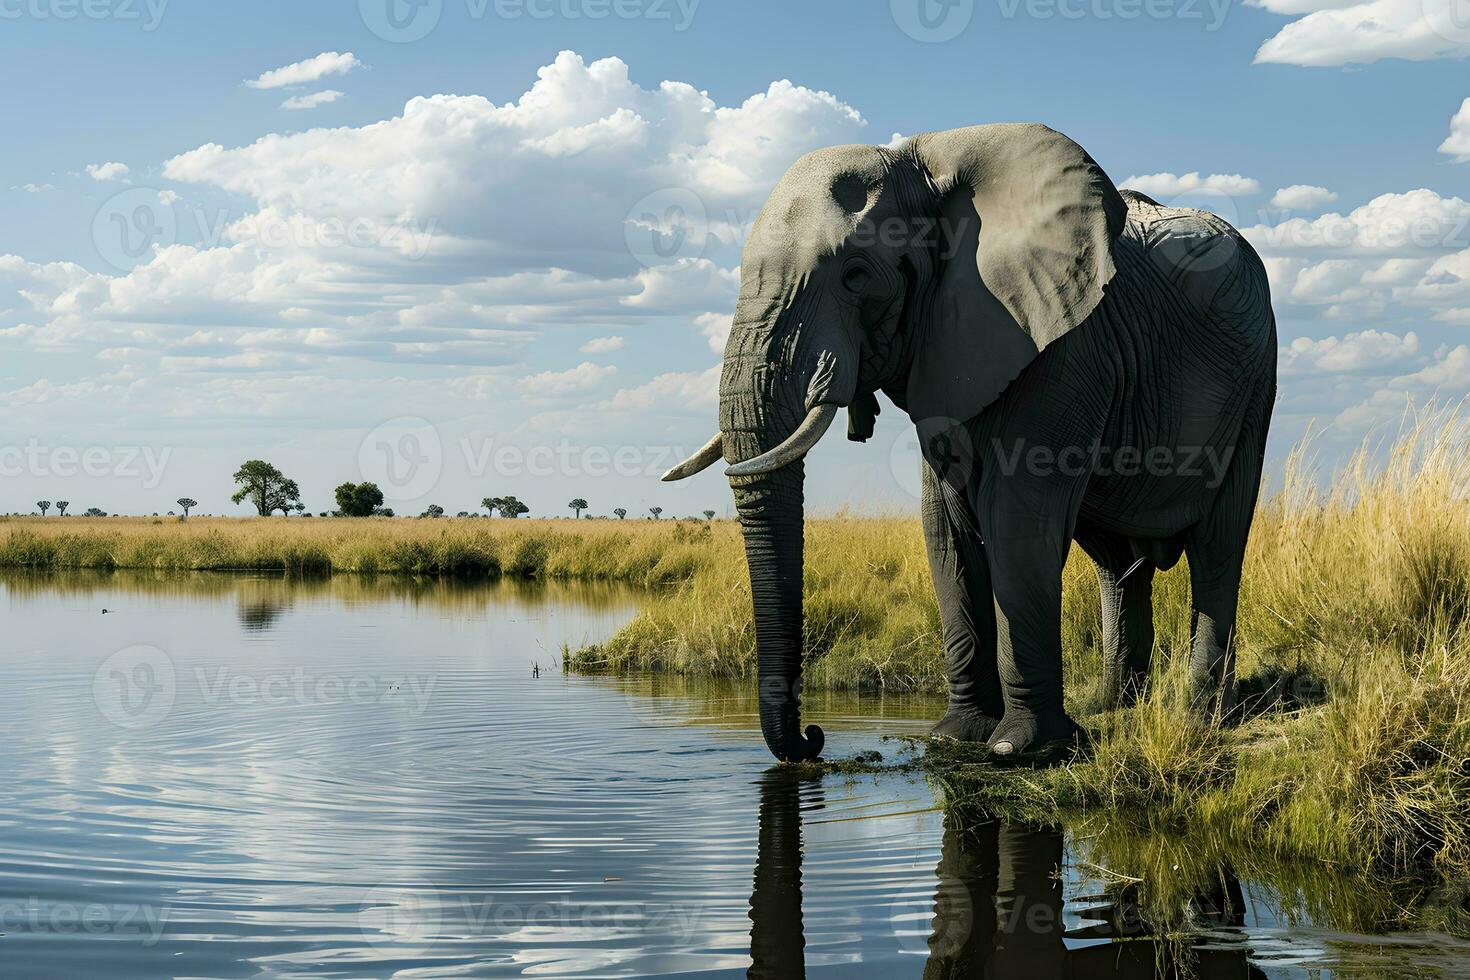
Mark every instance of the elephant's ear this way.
pixel 1027 220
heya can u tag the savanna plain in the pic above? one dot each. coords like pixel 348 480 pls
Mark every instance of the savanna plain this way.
pixel 1352 756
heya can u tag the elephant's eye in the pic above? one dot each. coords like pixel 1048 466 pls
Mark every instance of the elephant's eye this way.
pixel 855 279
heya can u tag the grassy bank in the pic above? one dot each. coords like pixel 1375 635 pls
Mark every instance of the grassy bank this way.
pixel 1354 640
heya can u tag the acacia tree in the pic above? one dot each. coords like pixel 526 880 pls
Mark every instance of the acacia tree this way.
pixel 621 512
pixel 709 515
pixel 45 505
pixel 95 512
pixel 185 503
pixel 505 506
pixel 577 505
pixel 62 505
pixel 433 510
pixel 358 499
pixel 655 511
pixel 268 488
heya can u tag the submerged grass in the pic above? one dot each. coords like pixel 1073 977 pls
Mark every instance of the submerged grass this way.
pixel 1354 643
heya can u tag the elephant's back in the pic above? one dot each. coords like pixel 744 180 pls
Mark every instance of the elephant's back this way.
pixel 1213 277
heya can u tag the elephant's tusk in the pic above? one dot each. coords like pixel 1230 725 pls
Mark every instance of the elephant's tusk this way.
pixel 706 456
pixel 797 445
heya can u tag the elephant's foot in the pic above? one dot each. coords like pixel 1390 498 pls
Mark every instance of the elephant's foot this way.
pixel 964 724
pixel 1121 689
pixel 1216 700
pixel 1023 738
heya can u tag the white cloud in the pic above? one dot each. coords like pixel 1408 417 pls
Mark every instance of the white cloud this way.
pixel 107 171
pixel 167 197
pixel 603 345
pixel 716 329
pixel 580 125
pixel 1457 144
pixel 35 188
pixel 1415 222
pixel 677 391
pixel 1302 197
pixel 312 100
pixel 1331 34
pixel 1168 185
pixel 308 71
pixel 559 384
pixel 1368 351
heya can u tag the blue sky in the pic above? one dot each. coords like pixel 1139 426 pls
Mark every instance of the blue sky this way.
pixel 431 273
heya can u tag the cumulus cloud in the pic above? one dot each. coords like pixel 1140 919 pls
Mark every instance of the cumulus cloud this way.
pixel 1331 33
pixel 312 100
pixel 1167 185
pixel 1302 197
pixel 602 345
pixel 716 329
pixel 35 188
pixel 308 71
pixel 1368 351
pixel 107 171
pixel 559 384
pixel 1457 144
pixel 1417 221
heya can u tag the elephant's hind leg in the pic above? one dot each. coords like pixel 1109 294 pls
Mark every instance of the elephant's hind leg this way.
pixel 966 611
pixel 1216 552
pixel 1126 584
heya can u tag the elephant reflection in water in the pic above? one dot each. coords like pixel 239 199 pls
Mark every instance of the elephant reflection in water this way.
pixel 997 908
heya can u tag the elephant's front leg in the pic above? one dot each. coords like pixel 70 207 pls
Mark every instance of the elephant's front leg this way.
pixel 966 611
pixel 1027 536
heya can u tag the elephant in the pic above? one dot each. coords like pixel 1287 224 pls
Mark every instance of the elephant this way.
pixel 1080 364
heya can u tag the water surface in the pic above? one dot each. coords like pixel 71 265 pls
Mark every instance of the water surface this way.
pixel 228 776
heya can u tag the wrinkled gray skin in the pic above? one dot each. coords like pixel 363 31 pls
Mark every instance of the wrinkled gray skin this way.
pixel 1039 328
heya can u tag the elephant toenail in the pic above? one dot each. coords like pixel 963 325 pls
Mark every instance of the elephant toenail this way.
pixel 1004 748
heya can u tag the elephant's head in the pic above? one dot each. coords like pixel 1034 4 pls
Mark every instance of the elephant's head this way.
pixel 934 271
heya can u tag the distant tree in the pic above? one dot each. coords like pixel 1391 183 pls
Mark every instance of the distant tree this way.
pixel 505 506
pixel 621 512
pixel 299 508
pixel 382 511
pixel 45 505
pixel 433 510
pixel 709 515
pixel 463 513
pixel 95 512
pixel 655 511
pixel 577 505
pixel 267 487
pixel 358 499
pixel 62 505
pixel 187 503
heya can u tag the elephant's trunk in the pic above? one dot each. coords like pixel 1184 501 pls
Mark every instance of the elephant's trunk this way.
pixel 770 510
pixel 762 402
